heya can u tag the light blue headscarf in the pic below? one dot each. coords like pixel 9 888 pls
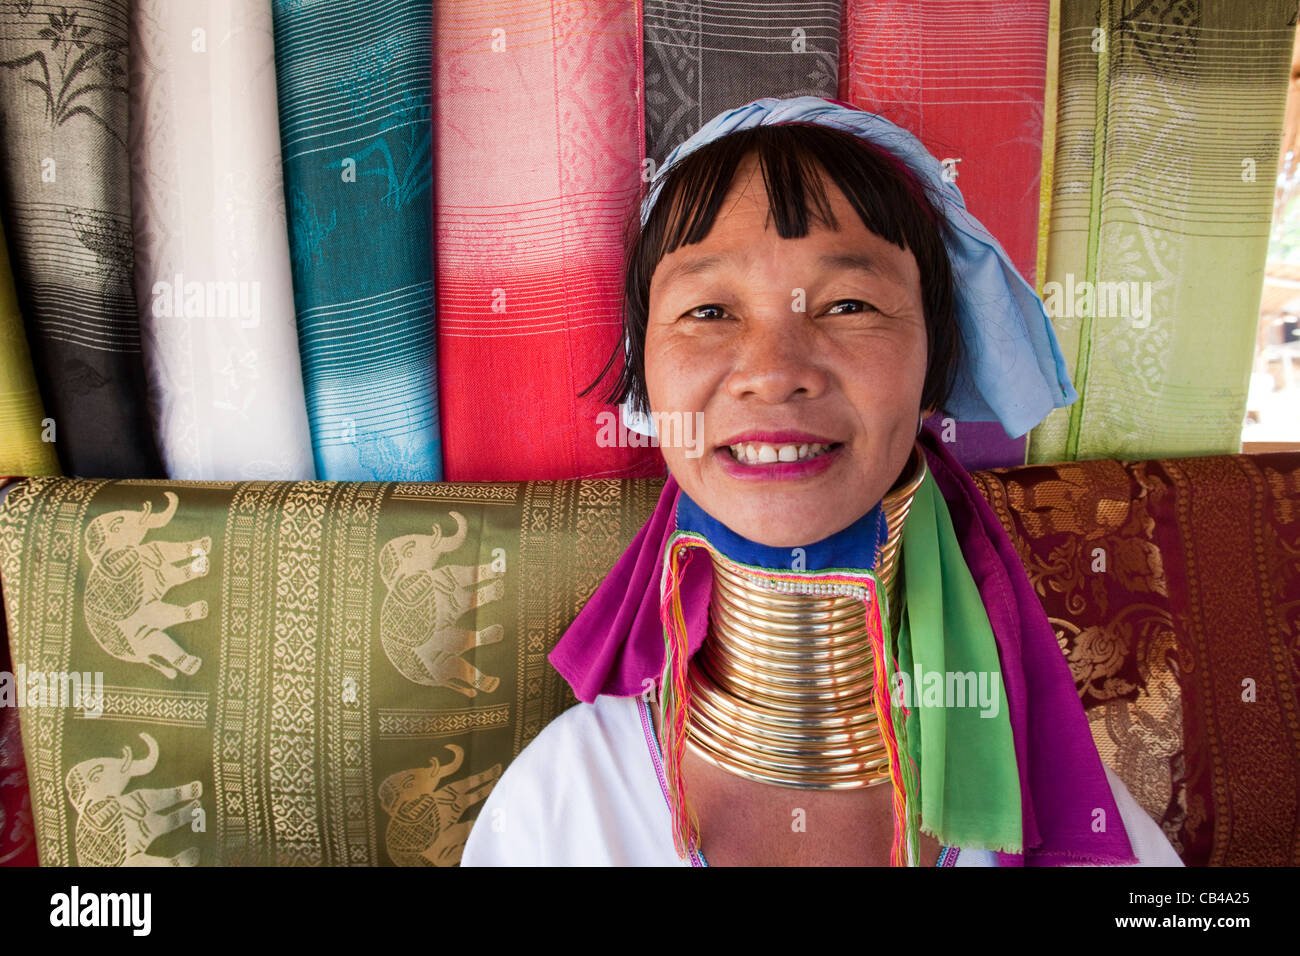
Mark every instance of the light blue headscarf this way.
pixel 1012 370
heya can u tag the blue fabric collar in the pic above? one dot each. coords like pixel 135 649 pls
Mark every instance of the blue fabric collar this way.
pixel 853 547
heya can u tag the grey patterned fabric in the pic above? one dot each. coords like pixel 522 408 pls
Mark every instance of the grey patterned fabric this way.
pixel 67 209
pixel 707 56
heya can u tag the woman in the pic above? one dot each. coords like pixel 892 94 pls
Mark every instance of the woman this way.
pixel 820 649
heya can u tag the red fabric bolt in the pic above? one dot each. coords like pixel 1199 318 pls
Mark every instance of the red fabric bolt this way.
pixel 17 835
pixel 537 172
pixel 969 81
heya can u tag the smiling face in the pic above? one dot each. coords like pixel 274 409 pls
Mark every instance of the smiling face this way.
pixel 784 344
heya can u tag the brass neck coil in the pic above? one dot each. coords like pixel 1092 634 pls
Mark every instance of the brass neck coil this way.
pixel 782 691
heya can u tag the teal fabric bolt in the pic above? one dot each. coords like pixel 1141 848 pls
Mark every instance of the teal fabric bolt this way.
pixel 355 98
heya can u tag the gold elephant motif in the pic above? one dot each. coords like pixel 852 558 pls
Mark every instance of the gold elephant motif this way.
pixel 115 828
pixel 129 577
pixel 417 622
pixel 425 826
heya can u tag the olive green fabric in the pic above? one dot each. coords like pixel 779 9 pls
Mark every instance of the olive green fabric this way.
pixel 292 672
pixel 1169 120
pixel 22 416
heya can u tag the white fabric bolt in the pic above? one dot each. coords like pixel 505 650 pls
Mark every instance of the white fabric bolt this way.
pixel 225 379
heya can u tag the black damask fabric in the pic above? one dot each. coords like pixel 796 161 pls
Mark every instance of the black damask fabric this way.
pixel 67 212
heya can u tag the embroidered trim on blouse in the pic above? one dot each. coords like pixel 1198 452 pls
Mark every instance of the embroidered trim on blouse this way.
pixel 656 757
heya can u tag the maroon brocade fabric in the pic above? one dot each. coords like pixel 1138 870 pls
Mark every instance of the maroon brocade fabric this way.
pixel 1174 587
pixel 17 838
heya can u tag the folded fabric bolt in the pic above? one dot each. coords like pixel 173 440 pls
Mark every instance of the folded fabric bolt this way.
pixel 22 416
pixel 67 199
pixel 356 134
pixel 326 673
pixel 211 252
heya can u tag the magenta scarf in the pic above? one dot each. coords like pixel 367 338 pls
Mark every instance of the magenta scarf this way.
pixel 615 646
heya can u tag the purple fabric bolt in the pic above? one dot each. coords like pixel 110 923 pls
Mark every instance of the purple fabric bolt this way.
pixel 616 644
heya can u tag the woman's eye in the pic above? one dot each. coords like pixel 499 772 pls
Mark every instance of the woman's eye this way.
pixel 713 312
pixel 859 305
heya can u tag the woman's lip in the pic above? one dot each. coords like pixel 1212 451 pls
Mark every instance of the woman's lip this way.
pixel 777 470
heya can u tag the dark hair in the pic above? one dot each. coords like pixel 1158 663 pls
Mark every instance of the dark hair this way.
pixel 891 201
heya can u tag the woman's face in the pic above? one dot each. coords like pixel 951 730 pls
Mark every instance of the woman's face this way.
pixel 782 344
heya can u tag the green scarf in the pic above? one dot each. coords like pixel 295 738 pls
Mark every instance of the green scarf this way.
pixel 970 784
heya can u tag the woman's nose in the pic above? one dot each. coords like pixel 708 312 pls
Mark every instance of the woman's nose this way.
pixel 776 361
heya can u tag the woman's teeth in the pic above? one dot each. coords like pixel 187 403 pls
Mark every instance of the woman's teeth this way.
pixel 758 453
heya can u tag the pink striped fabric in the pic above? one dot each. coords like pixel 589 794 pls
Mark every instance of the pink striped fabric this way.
pixel 967 78
pixel 539 136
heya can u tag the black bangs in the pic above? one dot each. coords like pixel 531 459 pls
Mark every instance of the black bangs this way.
pixel 887 197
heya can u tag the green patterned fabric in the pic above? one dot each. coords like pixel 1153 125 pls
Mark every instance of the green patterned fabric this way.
pixel 1169 121
pixel 292 672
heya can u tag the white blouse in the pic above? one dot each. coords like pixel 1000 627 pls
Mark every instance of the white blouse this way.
pixel 590 790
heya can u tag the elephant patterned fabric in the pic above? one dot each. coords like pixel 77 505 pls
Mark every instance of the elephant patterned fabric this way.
pixel 290 673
